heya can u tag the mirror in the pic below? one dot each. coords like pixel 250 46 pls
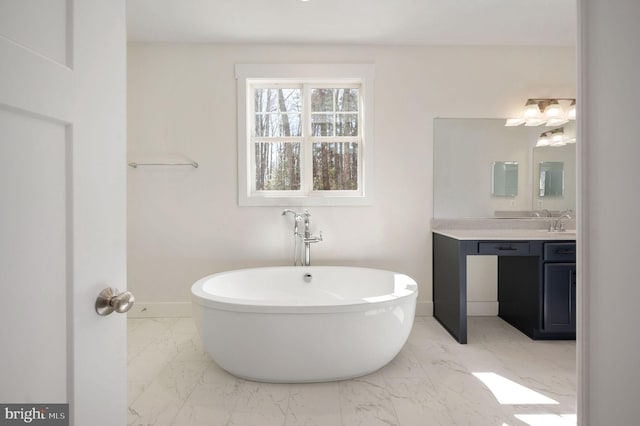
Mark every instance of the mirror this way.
pixel 465 151
pixel 551 179
pixel 565 197
pixel 504 179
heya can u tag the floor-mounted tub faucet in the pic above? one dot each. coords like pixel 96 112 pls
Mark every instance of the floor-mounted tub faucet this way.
pixel 306 237
pixel 297 218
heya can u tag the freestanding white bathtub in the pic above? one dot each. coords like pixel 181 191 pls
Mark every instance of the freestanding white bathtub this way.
pixel 304 324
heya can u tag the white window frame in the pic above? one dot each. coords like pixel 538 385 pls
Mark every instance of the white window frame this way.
pixel 319 75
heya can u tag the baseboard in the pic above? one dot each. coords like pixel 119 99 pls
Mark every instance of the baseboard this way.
pixel 168 310
pixel 163 310
pixel 424 309
pixel 482 309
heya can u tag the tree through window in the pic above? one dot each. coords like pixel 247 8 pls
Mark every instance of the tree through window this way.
pixel 302 140
pixel 277 139
pixel 285 134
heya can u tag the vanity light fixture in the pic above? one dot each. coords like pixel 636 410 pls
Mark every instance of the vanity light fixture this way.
pixel 554 138
pixel 544 140
pixel 532 109
pixel 571 111
pixel 548 111
pixel 557 137
pixel 554 114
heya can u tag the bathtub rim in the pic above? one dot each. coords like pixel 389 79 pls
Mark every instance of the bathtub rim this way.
pixel 201 298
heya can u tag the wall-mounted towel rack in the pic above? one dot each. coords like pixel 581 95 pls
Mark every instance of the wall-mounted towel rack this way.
pixel 136 165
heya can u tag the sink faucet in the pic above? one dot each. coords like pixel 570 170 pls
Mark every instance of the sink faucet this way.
pixel 558 226
pixel 548 216
pixel 306 237
pixel 556 223
pixel 542 213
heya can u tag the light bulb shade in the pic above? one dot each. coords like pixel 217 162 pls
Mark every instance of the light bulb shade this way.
pixel 559 121
pixel 571 111
pixel 534 121
pixel 512 122
pixel 531 110
pixel 553 111
pixel 557 137
pixel 543 140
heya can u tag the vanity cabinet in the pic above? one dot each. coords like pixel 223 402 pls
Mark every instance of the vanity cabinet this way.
pixel 559 288
pixel 537 294
pixel 536 280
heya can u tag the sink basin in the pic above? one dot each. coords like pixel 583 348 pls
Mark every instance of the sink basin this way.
pixel 571 232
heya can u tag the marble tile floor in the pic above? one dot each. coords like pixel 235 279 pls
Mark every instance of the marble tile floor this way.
pixel 172 381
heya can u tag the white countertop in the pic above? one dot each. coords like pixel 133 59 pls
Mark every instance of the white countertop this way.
pixel 506 234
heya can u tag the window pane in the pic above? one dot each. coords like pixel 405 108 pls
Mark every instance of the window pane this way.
pixel 347 99
pixel 335 166
pixel 321 100
pixel 322 124
pixel 277 100
pixel 267 124
pixel 277 125
pixel 277 166
pixel 266 100
pixel 290 100
pixel 291 125
pixel 347 125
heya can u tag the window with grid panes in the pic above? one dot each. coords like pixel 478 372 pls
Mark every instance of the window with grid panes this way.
pixel 305 141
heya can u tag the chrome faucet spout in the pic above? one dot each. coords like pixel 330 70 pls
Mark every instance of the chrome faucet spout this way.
pixel 542 213
pixel 305 237
pixel 559 224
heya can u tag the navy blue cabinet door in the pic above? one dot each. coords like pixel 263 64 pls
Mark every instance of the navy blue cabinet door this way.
pixel 559 297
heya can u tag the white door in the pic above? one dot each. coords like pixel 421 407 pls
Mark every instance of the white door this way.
pixel 62 205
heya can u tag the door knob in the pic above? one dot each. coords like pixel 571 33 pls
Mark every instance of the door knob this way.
pixel 111 299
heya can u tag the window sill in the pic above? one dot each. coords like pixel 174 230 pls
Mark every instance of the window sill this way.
pixel 305 201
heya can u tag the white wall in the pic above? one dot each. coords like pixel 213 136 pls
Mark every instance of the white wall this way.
pixel 185 223
pixel 609 287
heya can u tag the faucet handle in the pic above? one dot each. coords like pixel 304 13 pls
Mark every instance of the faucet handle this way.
pixel 313 238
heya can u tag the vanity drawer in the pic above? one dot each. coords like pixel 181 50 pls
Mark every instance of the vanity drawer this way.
pixel 560 252
pixel 504 248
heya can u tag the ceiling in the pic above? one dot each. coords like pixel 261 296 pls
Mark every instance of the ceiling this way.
pixel 384 22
